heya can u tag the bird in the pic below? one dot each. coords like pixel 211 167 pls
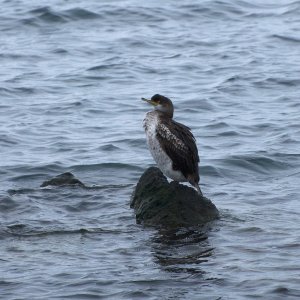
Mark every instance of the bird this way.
pixel 171 144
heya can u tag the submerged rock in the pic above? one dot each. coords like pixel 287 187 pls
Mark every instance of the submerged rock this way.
pixel 158 202
pixel 62 180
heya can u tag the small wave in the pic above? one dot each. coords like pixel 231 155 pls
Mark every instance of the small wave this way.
pixel 23 230
pixel 47 15
pixel 286 82
pixel 6 140
pixel 98 78
pixel 117 166
pixel 285 138
pixel 229 133
pixel 60 51
pixel 22 90
pixel 203 104
pixel 134 142
pixel 217 125
pixel 28 177
pixel 287 156
pixel 210 171
pixel 21 191
pixel 109 147
pixel 253 229
pixel 259 164
pixel 104 67
pixel 217 9
pixel 7 203
pixel 80 14
pixel 263 126
pixel 141 14
pixel 286 38
pixel 28 169
pixel 285 292
pixel 263 9
pixel 271 81
pixel 6 93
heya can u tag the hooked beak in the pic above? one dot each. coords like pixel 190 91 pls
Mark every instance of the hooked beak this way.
pixel 150 101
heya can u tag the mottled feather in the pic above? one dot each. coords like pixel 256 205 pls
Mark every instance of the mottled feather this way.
pixel 179 143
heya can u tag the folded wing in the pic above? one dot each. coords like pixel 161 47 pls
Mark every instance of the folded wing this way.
pixel 179 143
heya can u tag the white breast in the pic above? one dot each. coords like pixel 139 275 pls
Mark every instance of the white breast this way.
pixel 162 160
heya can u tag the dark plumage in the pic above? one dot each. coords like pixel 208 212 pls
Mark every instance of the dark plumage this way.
pixel 184 159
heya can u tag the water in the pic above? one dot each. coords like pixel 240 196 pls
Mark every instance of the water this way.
pixel 72 75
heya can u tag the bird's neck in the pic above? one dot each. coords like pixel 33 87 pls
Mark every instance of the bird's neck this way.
pixel 164 114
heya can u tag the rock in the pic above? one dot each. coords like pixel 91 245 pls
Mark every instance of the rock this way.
pixel 158 202
pixel 63 180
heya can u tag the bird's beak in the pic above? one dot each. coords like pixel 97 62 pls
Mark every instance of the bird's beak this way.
pixel 150 101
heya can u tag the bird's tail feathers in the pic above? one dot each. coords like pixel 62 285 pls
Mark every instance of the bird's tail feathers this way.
pixel 196 185
pixel 198 189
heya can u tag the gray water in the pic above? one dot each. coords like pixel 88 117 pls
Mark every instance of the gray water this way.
pixel 72 75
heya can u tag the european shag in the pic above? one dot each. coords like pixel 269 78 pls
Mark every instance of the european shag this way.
pixel 171 144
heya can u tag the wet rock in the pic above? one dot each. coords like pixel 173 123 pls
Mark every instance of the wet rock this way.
pixel 63 180
pixel 158 202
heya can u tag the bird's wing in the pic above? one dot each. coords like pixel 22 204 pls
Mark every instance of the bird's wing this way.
pixel 179 144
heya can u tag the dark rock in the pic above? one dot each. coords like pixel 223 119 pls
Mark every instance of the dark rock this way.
pixel 63 180
pixel 158 202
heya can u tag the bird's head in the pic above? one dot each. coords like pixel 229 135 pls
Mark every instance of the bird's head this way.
pixel 162 104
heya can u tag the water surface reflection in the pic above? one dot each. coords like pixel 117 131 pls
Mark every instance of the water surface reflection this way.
pixel 182 249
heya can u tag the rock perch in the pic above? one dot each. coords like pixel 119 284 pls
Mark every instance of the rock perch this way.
pixel 158 202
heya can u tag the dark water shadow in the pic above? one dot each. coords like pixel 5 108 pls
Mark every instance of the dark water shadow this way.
pixel 182 250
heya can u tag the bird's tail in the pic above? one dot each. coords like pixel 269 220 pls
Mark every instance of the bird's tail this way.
pixel 198 189
pixel 196 185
